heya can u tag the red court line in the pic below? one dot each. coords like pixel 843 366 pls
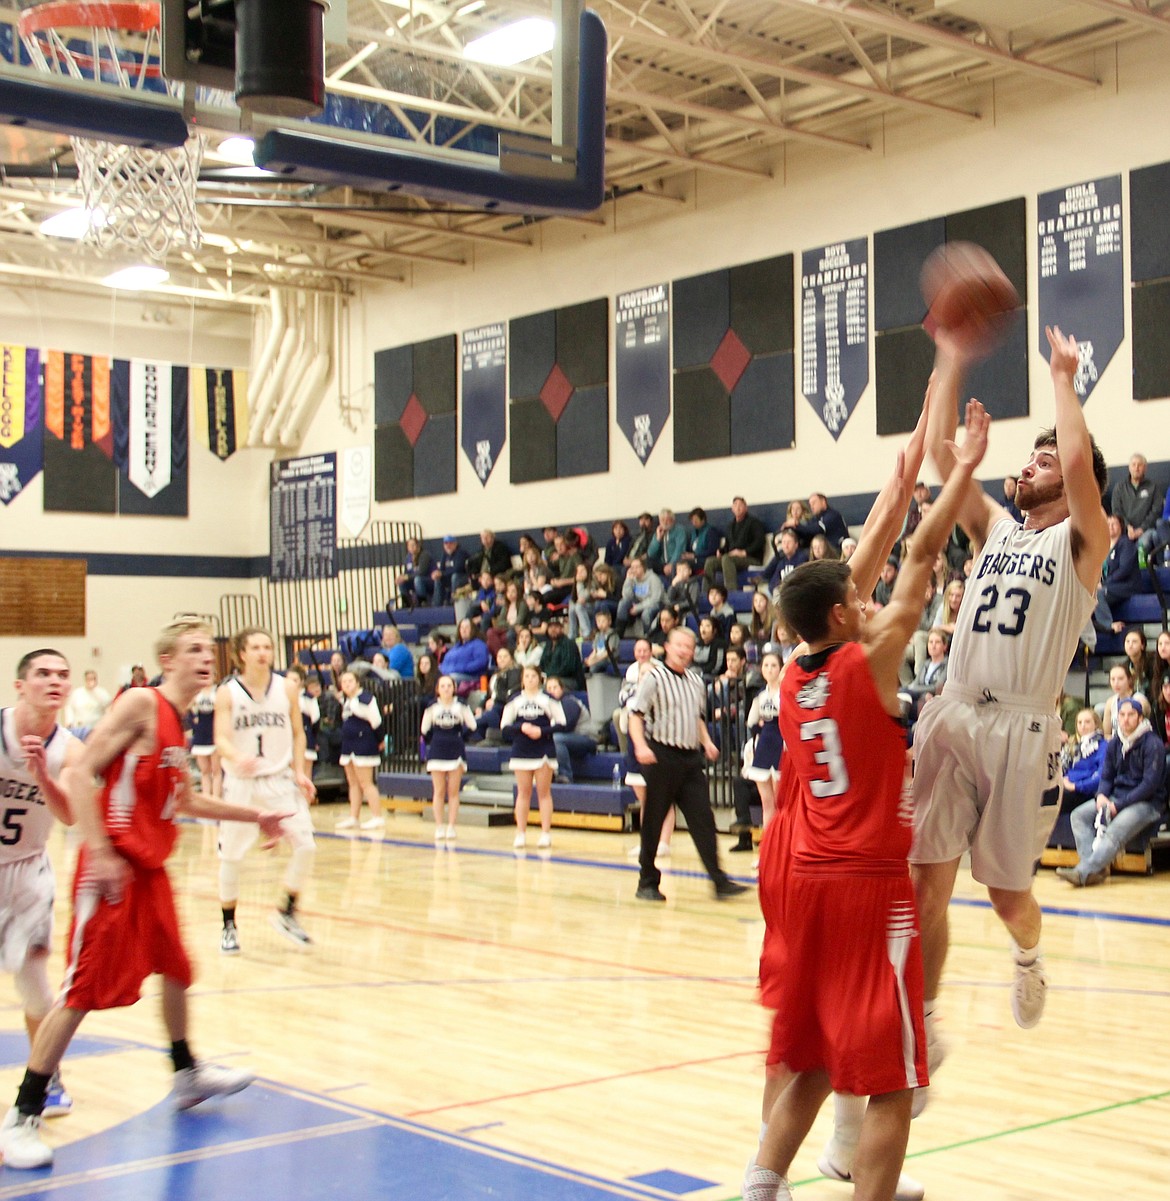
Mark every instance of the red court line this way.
pixel 556 1088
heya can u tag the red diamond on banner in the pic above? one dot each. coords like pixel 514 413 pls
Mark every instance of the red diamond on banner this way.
pixel 413 418
pixel 556 392
pixel 730 360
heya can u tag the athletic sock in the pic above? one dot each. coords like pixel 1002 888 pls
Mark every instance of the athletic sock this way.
pixel 181 1055
pixel 848 1114
pixel 761 1184
pixel 290 905
pixel 1026 956
pixel 30 1097
pixel 229 914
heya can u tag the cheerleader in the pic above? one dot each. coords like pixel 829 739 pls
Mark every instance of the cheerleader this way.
pixel 203 742
pixel 443 724
pixel 530 718
pixel 310 715
pixel 633 769
pixel 763 766
pixel 361 719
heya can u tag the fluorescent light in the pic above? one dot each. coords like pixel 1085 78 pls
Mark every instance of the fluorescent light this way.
pixel 513 43
pixel 473 7
pixel 135 279
pixel 237 150
pixel 73 223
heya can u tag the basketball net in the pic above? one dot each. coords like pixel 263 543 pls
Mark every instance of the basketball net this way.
pixel 138 199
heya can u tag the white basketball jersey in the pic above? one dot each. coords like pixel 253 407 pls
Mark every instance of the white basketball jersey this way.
pixel 262 728
pixel 25 819
pixel 1022 612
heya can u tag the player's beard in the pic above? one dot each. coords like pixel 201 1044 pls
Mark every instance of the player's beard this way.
pixel 1029 496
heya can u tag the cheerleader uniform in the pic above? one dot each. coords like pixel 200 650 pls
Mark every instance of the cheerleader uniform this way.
pixel 310 719
pixel 529 754
pixel 203 723
pixel 629 688
pixel 442 730
pixel 762 760
pixel 361 719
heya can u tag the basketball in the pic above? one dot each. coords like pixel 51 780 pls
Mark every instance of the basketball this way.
pixel 968 295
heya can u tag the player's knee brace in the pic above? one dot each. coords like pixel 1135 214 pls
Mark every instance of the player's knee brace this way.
pixel 300 865
pixel 32 986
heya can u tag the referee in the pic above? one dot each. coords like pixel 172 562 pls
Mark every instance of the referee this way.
pixel 667 727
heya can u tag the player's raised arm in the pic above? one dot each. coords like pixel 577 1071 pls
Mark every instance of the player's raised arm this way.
pixel 1074 445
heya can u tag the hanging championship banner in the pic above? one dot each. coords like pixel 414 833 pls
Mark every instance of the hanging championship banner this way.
pixel 1082 278
pixel 21 436
pixel 484 365
pixel 642 351
pixel 219 404
pixel 302 511
pixel 149 402
pixel 834 324
pixel 80 476
pixel 357 480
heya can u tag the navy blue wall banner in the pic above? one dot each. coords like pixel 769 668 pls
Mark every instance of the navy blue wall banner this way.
pixel 1082 280
pixel 642 350
pixel 21 435
pixel 303 518
pixel 485 396
pixel 834 324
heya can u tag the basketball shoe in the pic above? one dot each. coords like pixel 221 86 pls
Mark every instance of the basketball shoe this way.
pixel 229 940
pixel 21 1143
pixel 1029 991
pixel 836 1162
pixel 287 924
pixel 195 1085
pixel 58 1102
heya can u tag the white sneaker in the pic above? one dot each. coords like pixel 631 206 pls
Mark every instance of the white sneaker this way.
pixel 545 840
pixel 440 833
pixel 21 1143
pixel 229 940
pixel 287 924
pixel 518 842
pixel 373 823
pixel 204 1080
pixel 783 1190
pixel 346 823
pixel 830 1165
pixel 1029 991
pixel 451 834
pixel 663 851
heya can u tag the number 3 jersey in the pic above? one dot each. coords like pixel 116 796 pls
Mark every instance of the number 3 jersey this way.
pixel 849 755
pixel 1022 612
pixel 261 726
pixel 26 821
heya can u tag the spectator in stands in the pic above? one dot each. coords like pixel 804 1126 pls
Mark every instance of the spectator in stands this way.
pixel 821 548
pixel 1138 502
pixel 427 670
pixel 848 546
pixel 538 613
pixel 704 541
pixel 493 554
pixel 744 547
pixel 484 602
pixel 642 597
pixel 329 720
pixel 527 650
pixel 1009 498
pixel 784 638
pixel 788 557
pixel 468 660
pixel 1131 797
pixel 563 561
pixel 438 645
pixel 722 614
pixel 414 581
pixel 1160 664
pixel 85 706
pixel 573 739
pixel 398 656
pixel 929 680
pixel 825 520
pixel 602 659
pixel 379 667
pixel 1160 716
pixel 1162 533
pixel 550 534
pixel 1120 577
pixel 444 727
pixel 1081 760
pixel 668 544
pixel 535 571
pixel 530 719
pixel 683 594
pixel 1140 664
pixel 138 679
pixel 336 667
pixel 504 682
pixel 580 604
pixel 737 637
pixel 942 612
pixel 450 573
pixel 1067 707
pixel 511 612
pixel 640 545
pixel 727 701
pixel 796 514
pixel 1121 689
pixel 710 650
pixel 618 546
pixel 760 621
pixel 957 551
pixel 524 544
pixel 667 620
pixel 561 657
pixel 603 588
pixel 884 588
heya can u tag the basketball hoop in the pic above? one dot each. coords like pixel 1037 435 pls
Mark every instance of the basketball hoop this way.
pixel 138 198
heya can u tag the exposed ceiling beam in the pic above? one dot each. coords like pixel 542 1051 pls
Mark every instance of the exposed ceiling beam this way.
pixel 1139 14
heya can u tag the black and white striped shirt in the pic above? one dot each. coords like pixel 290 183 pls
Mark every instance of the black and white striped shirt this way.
pixel 671 704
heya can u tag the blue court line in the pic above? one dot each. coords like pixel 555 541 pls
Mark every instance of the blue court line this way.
pixel 1136 919
pixel 484 1126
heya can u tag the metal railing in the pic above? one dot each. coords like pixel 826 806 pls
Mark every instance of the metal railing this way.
pixel 727 710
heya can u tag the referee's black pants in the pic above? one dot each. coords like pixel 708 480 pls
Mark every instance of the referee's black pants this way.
pixel 678 778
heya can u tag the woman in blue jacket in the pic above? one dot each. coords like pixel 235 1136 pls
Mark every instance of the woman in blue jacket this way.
pixel 1082 758
pixel 469 659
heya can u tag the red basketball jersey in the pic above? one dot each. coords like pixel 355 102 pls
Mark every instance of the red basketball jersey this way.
pixel 849 755
pixel 141 793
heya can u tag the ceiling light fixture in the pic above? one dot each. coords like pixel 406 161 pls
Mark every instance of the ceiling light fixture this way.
pixel 137 278
pixel 512 44
pixel 73 223
pixel 468 9
pixel 238 150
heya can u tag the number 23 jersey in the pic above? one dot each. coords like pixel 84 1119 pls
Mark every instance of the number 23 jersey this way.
pixel 849 755
pixel 1022 612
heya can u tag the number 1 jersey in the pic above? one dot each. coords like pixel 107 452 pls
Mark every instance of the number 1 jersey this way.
pixel 851 810
pixel 261 726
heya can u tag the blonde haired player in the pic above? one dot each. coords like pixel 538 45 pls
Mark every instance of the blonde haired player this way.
pixel 261 742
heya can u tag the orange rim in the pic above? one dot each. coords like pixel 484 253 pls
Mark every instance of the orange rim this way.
pixel 67 14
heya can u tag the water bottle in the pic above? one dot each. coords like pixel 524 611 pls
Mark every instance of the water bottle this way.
pixel 617 775
pixel 1143 559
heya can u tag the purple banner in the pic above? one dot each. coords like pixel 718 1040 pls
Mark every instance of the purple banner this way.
pixel 22 449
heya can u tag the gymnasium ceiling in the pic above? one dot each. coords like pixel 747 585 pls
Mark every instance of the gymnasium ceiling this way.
pixel 697 89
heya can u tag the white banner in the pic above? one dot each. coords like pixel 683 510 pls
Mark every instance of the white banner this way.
pixel 357 476
pixel 149 458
